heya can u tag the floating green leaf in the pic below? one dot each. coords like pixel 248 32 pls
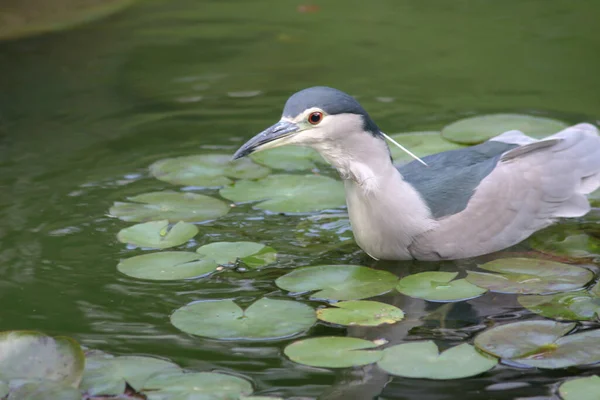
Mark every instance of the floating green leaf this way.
pixel 333 352
pixel 361 312
pixel 473 130
pixel 420 143
pixel 167 265
pixel 206 170
pixel 290 158
pixel 252 254
pixel 173 206
pixel 198 385
pixel 541 344
pixel 44 390
pixel 422 360
pixel 338 282
pixel 580 305
pixel 107 376
pixel 438 286
pixel 580 388
pixel 32 355
pixel 567 241
pixel 4 389
pixel 529 276
pixel 263 320
pixel 156 234
pixel 289 193
pixel 595 198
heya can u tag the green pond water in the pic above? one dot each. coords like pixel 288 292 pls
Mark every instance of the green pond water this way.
pixel 84 112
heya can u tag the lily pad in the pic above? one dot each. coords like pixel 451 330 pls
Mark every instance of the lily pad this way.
pixel 361 312
pixel 595 198
pixel 333 352
pixel 420 143
pixel 156 234
pixel 44 390
pixel 529 276
pixel 438 286
pixel 338 282
pixel 480 128
pixel 580 305
pixel 107 376
pixel 580 388
pixel 206 170
pixel 422 360
pixel 266 319
pixel 4 389
pixel 198 385
pixel 289 193
pixel 167 265
pixel 541 344
pixel 32 355
pixel 173 206
pixel 566 241
pixel 289 158
pixel 250 253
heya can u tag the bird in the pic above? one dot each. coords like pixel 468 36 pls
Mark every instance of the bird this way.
pixel 457 204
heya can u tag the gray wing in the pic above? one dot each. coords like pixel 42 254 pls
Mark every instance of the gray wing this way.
pixel 531 186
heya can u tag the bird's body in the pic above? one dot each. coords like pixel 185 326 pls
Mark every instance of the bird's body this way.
pixel 465 203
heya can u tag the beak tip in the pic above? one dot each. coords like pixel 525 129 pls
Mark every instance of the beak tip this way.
pixel 240 154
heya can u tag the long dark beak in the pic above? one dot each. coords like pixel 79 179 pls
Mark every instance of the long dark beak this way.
pixel 260 142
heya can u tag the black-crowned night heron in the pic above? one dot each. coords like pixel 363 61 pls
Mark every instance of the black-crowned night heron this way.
pixel 464 203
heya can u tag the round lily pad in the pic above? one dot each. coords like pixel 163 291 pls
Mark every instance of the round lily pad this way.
pixel 438 286
pixel 580 388
pixel 173 206
pixel 198 385
pixel 361 312
pixel 156 234
pixel 420 143
pixel 265 319
pixel 338 282
pixel 108 376
pixel 580 305
pixel 480 128
pixel 44 390
pixel 289 193
pixel 566 241
pixel 206 170
pixel 541 344
pixel 252 254
pixel 289 158
pixel 333 352
pixel 422 360
pixel 167 265
pixel 529 276
pixel 32 355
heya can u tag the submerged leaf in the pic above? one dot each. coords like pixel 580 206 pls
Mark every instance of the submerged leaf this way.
pixel 333 352
pixel 32 355
pixel 289 193
pixel 167 265
pixel 266 319
pixel 173 206
pixel 580 305
pixel 566 241
pixel 206 170
pixel 438 286
pixel 420 143
pixel 290 158
pixel 338 282
pixel 473 130
pixel 108 376
pixel 529 276
pixel 541 344
pixel 44 390
pixel 586 388
pixel 156 234
pixel 422 360
pixel 195 385
pixel 361 312
pixel 250 253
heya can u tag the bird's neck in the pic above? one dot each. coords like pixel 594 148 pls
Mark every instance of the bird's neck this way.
pixel 386 212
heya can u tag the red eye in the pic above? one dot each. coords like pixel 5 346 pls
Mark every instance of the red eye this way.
pixel 315 118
